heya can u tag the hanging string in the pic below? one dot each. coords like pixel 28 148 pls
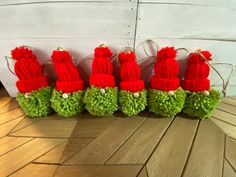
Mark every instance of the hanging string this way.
pixel 230 74
pixel 8 65
pixel 145 51
pixel 224 85
pixel 186 50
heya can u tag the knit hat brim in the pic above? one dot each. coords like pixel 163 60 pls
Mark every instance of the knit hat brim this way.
pixel 132 86
pixel 69 87
pixel 196 85
pixel 102 80
pixel 164 84
pixel 28 85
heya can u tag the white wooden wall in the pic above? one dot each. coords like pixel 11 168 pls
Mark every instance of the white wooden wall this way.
pixel 81 25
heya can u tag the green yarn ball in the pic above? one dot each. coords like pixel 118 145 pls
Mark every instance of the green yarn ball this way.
pixel 67 107
pixel 130 105
pixel 101 104
pixel 201 106
pixel 38 102
pixel 161 103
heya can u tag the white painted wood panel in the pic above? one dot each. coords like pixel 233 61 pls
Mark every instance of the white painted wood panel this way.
pixel 76 26
pixel 212 3
pixel 17 2
pixel 68 20
pixel 175 21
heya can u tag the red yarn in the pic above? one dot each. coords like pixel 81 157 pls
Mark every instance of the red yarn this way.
pixel 28 70
pixel 102 52
pixel 165 71
pixel 102 68
pixel 126 56
pixel 61 56
pixel 129 73
pixel 22 52
pixel 197 72
pixel 68 75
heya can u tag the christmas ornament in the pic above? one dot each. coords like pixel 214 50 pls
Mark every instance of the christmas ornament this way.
pixel 165 97
pixel 132 95
pixel 201 99
pixel 34 90
pixel 67 97
pixel 101 97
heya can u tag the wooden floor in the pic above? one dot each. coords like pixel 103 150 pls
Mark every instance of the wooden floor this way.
pixel 141 146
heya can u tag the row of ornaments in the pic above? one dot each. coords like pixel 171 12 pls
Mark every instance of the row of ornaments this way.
pixel 167 95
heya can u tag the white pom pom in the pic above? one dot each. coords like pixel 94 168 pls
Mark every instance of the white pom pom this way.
pixel 206 93
pixel 136 94
pixel 65 95
pixel 171 93
pixel 27 95
pixel 102 91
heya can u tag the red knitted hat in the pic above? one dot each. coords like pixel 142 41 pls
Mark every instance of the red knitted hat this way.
pixel 102 68
pixel 129 72
pixel 197 72
pixel 166 71
pixel 28 70
pixel 68 75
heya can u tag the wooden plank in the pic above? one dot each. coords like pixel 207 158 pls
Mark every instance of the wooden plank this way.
pixel 11 115
pixel 217 48
pixel 27 153
pixel 73 146
pixel 227 108
pixel 143 173
pixel 39 170
pixel 215 3
pixel 230 152
pixel 9 143
pixel 7 127
pixel 64 151
pixel 54 155
pixel 227 128
pixel 24 123
pixel 170 156
pixel 233 97
pixel 228 170
pixel 99 150
pixel 141 144
pixel 11 106
pixel 4 101
pixel 230 101
pixel 224 116
pixel 48 128
pixel 88 127
pixel 206 157
pixel 51 23
pixel 180 16
pixel 29 121
pixel 99 171
pixel 19 2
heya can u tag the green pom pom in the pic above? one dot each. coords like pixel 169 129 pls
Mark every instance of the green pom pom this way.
pixel 38 102
pixel 101 104
pixel 67 107
pixel 162 104
pixel 199 105
pixel 131 105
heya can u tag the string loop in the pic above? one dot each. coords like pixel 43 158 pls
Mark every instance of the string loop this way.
pixel 224 84
pixel 8 65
